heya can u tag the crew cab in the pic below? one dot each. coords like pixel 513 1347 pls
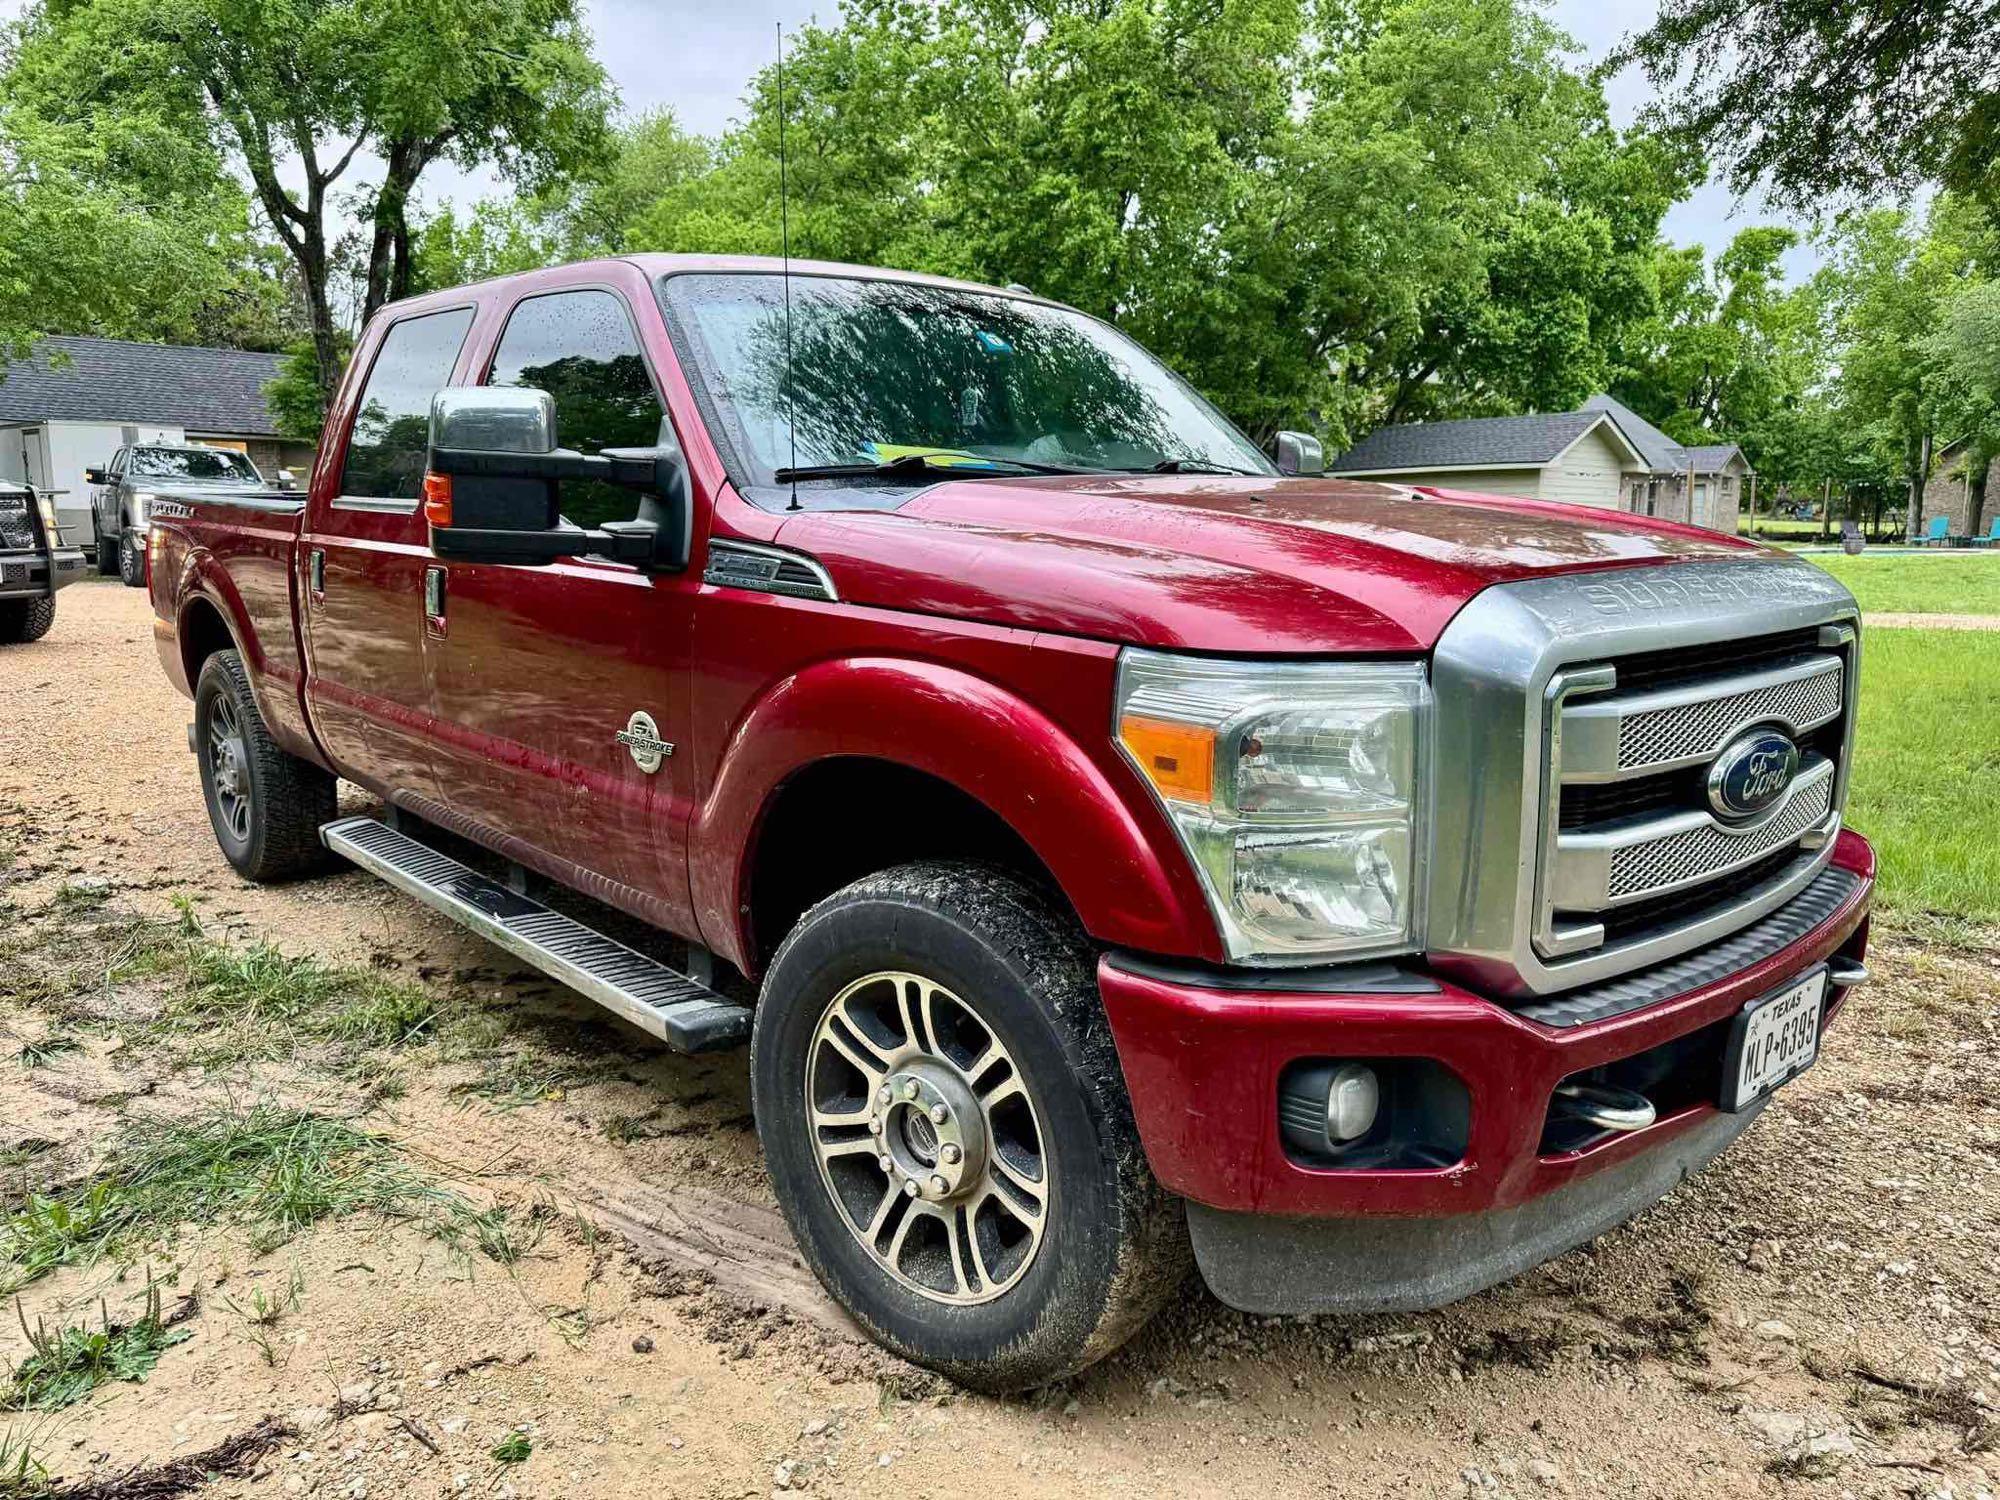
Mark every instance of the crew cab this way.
pixel 34 563
pixel 125 490
pixel 1112 844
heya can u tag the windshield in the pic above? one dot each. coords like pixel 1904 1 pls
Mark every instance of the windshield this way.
pixel 208 464
pixel 884 370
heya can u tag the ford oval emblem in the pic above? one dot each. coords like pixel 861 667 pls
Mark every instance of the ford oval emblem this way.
pixel 1752 772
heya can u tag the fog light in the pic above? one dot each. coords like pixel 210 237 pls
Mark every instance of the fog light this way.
pixel 1351 1101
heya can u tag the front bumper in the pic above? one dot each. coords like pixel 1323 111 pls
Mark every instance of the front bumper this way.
pixel 33 574
pixel 1202 1061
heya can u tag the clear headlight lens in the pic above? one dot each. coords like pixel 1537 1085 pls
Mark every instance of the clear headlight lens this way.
pixel 1299 790
pixel 47 507
pixel 142 506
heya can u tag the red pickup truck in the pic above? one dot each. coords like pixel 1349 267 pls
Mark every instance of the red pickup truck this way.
pixel 1112 844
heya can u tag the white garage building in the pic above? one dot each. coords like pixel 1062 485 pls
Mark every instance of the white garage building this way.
pixel 73 402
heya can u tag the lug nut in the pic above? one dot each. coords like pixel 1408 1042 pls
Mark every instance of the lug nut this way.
pixel 940 1186
pixel 909 1088
pixel 883 1161
pixel 939 1113
pixel 949 1153
pixel 885 1096
pixel 911 1187
pixel 874 1127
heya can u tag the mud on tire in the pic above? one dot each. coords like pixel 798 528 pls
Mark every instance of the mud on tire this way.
pixel 265 804
pixel 24 620
pixel 997 963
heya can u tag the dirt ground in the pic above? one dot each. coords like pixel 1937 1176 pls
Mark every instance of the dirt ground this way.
pixel 1815 1315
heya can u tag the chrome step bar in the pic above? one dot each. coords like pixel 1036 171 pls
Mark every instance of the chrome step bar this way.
pixel 686 1015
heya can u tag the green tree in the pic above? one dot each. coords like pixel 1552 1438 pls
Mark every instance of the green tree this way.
pixel 293 92
pixel 1825 97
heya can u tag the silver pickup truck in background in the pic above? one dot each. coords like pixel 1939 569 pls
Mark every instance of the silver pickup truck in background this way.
pixel 124 491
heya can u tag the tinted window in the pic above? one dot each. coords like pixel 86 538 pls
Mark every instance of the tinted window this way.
pixel 580 348
pixel 385 455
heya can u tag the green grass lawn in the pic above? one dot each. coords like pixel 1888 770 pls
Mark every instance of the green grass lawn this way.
pixel 1952 584
pixel 1926 781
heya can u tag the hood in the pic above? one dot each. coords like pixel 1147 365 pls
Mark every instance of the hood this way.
pixel 1227 564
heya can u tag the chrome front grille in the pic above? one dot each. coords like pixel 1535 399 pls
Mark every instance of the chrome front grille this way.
pixel 1701 853
pixel 1576 844
pixel 1808 697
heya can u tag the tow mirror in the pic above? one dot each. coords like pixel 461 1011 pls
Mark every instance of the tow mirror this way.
pixel 1300 453
pixel 493 485
pixel 95 476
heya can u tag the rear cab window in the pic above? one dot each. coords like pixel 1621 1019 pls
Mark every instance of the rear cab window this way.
pixel 391 434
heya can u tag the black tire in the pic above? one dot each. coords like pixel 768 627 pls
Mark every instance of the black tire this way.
pixel 107 556
pixel 265 805
pixel 24 620
pixel 131 560
pixel 1113 1245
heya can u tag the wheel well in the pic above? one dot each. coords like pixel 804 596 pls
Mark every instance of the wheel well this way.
pixel 840 819
pixel 203 632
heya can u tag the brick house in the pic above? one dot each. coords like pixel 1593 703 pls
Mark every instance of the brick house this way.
pixel 1948 493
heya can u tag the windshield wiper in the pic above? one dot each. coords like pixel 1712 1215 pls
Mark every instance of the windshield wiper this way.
pixel 920 465
pixel 1198 466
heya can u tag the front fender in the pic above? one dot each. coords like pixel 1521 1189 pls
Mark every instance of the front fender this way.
pixel 1118 864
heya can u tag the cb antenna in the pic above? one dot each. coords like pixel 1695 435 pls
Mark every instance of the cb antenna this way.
pixel 785 247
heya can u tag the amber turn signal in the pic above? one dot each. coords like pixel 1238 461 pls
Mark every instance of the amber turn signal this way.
pixel 437 499
pixel 1179 759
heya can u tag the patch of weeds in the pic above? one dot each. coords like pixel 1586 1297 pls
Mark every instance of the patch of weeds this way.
pixel 266 1000
pixel 623 1130
pixel 273 1171
pixel 1945 1405
pixel 64 1366
pixel 514 1448
pixel 265 1310
pixel 1523 1348
pixel 23 1476
pixel 40 1053
pixel 23 1152
pixel 1677 1330
pixel 74 897
pixel 516 1081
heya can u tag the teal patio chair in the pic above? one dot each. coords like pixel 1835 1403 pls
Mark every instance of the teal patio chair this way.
pixel 1938 535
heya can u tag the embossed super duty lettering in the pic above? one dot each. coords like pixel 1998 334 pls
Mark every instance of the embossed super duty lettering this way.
pixel 1680 590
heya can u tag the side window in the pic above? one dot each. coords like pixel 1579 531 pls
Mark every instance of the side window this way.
pixel 117 470
pixel 385 454
pixel 580 348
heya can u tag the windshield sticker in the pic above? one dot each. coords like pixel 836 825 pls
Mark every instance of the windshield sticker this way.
pixel 943 458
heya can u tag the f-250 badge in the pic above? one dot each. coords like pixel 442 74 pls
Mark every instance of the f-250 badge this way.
pixel 642 737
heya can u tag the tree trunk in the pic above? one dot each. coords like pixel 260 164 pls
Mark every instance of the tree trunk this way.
pixel 1917 478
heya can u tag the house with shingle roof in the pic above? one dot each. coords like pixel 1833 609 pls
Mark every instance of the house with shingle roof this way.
pixel 1602 454
pixel 72 403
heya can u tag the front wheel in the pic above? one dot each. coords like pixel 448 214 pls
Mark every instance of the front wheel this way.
pixel 131 560
pixel 948 1131
pixel 265 804
pixel 24 620
pixel 107 555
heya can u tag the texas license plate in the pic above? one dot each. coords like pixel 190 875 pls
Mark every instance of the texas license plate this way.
pixel 1774 1039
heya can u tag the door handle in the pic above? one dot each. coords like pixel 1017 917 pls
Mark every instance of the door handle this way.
pixel 434 599
pixel 316 572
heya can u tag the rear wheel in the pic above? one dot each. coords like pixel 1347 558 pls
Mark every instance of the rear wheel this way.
pixel 947 1128
pixel 265 804
pixel 131 560
pixel 24 620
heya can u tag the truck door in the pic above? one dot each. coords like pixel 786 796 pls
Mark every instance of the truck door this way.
pixel 540 669
pixel 366 552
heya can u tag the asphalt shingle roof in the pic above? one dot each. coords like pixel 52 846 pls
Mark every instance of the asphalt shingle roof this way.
pixel 217 391
pixel 1662 452
pixel 1479 440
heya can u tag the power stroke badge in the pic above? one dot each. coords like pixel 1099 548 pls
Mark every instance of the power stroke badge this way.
pixel 641 736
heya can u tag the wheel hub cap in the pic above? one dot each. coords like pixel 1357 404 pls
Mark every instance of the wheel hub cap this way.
pixel 928 1138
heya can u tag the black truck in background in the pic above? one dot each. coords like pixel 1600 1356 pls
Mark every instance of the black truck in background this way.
pixel 33 563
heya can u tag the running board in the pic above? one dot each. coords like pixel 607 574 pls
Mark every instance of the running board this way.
pixel 687 1016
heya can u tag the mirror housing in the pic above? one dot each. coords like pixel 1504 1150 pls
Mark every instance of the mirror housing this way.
pixel 96 476
pixel 1300 453
pixel 493 486
pixel 286 478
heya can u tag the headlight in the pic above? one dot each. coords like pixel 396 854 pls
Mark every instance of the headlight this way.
pixel 142 506
pixel 1299 790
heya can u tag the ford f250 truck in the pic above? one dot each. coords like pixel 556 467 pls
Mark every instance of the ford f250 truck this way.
pixel 125 490
pixel 1111 844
